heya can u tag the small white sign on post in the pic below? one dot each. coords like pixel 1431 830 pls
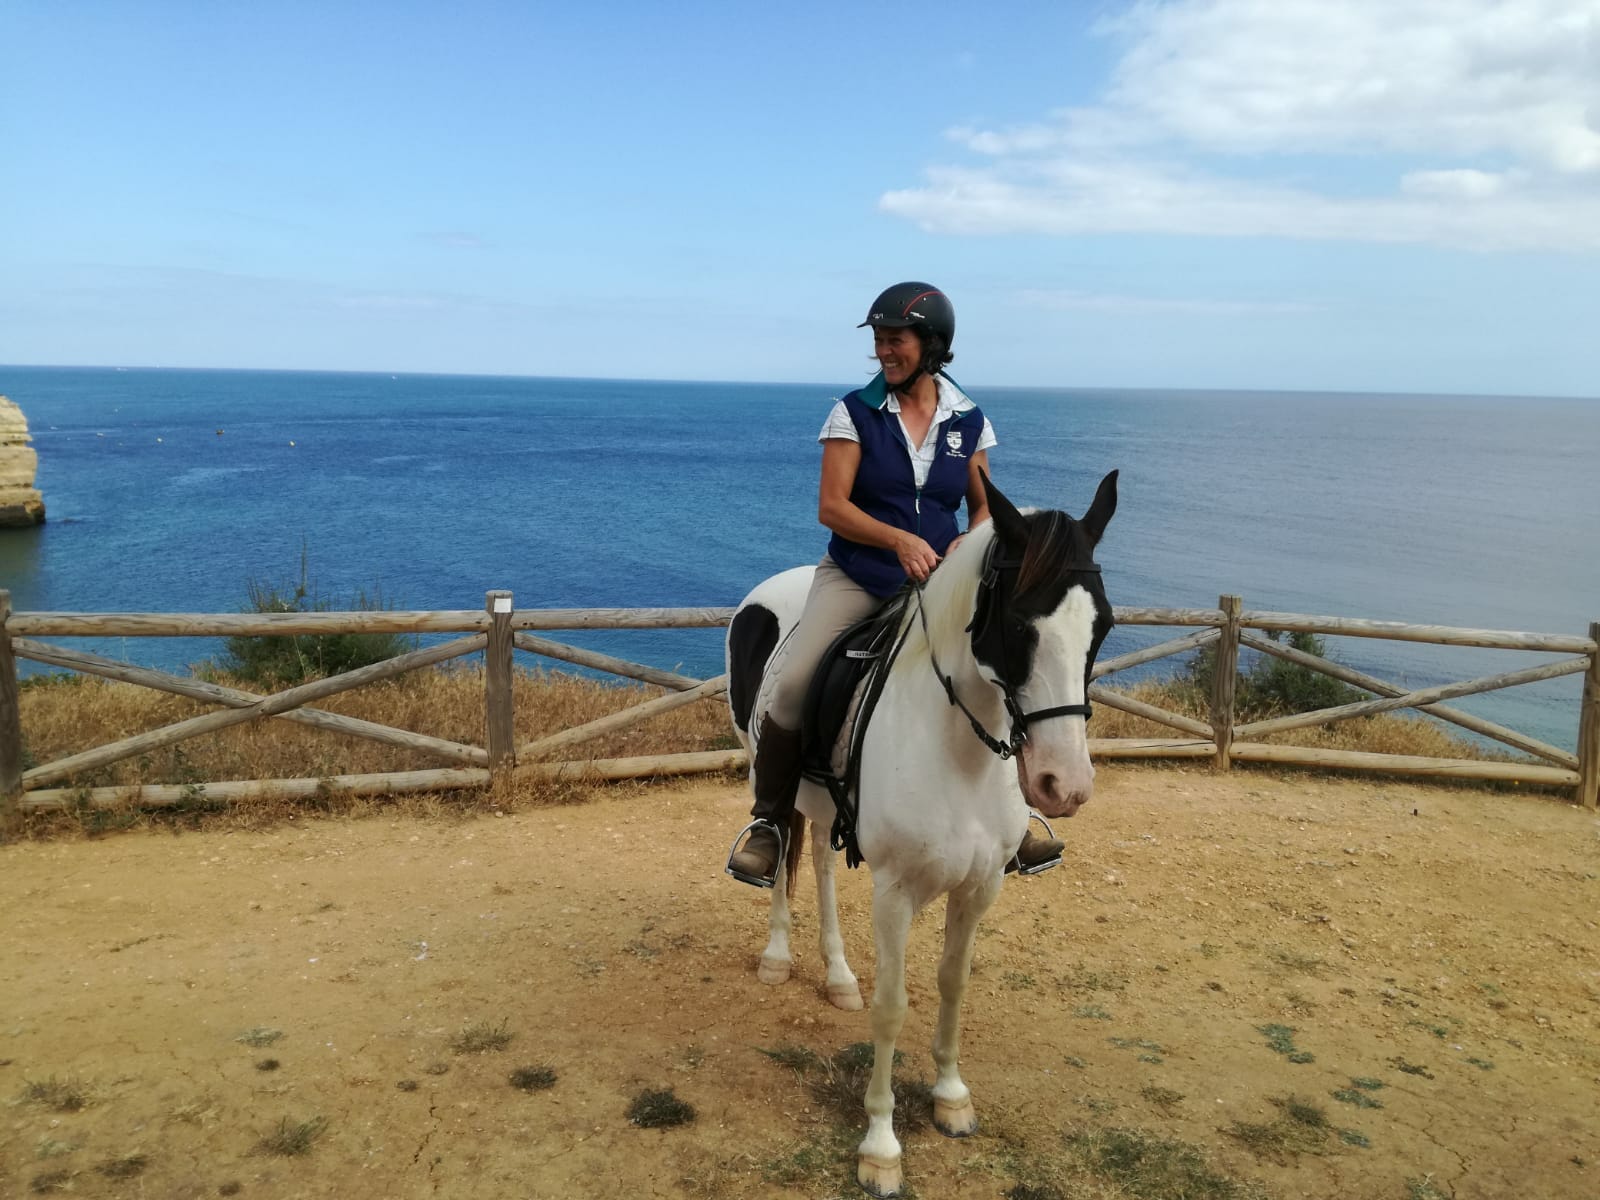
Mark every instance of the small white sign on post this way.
pixel 502 604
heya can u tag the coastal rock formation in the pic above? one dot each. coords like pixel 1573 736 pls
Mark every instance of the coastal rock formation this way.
pixel 20 502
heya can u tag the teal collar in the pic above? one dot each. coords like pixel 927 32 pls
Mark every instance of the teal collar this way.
pixel 876 394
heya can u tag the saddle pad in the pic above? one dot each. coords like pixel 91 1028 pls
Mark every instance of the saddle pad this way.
pixel 834 697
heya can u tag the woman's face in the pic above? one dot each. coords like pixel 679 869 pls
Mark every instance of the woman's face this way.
pixel 899 353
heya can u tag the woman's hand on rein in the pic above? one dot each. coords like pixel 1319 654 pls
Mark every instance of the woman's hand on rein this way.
pixel 917 558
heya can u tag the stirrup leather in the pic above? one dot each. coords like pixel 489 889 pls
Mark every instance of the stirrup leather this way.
pixel 783 847
pixel 1038 868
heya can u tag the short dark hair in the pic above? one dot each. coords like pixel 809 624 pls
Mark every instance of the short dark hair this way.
pixel 935 349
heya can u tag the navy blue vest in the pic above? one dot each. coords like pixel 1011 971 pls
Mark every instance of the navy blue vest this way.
pixel 886 487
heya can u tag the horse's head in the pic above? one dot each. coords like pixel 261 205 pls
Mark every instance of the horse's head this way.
pixel 1040 618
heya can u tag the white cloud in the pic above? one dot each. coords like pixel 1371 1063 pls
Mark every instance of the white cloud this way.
pixel 1222 117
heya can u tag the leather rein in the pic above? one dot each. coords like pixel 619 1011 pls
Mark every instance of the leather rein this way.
pixel 983 608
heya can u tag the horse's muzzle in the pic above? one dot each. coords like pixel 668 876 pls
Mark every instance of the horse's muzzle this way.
pixel 1054 792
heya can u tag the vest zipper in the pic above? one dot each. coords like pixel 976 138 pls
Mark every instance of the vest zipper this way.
pixel 918 503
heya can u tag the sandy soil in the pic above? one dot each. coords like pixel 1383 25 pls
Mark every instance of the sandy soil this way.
pixel 1441 943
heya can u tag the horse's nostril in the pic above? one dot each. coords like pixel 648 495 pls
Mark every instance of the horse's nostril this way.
pixel 1048 785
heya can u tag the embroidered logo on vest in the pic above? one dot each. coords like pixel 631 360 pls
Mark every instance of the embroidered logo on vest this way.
pixel 952 441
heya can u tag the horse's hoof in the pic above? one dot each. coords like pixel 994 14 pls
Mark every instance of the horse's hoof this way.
pixel 955 1120
pixel 878 1177
pixel 845 995
pixel 773 970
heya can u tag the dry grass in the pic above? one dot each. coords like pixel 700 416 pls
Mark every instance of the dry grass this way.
pixel 76 714
pixel 1386 733
pixel 67 715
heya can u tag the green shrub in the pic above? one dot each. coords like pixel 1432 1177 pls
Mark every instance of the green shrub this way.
pixel 1269 686
pixel 279 660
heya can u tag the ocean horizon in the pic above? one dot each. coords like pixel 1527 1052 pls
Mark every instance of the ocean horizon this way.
pixel 174 489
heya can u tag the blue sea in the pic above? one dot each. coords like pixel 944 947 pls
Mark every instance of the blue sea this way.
pixel 173 490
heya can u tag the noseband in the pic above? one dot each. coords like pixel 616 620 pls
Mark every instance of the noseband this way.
pixel 983 616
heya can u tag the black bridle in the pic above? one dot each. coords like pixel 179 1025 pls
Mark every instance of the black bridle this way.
pixel 983 617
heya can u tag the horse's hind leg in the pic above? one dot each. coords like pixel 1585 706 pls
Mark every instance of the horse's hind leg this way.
pixel 953 1113
pixel 843 990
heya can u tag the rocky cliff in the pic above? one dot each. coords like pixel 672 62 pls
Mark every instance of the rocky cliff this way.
pixel 20 502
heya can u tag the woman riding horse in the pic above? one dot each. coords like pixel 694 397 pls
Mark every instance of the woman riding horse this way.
pixel 898 458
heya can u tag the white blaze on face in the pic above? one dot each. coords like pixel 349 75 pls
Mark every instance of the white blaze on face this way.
pixel 1053 768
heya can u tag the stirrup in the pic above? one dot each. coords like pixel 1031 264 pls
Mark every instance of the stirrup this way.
pixel 1038 868
pixel 783 846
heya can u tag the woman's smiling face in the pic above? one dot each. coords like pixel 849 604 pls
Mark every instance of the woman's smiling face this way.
pixel 899 353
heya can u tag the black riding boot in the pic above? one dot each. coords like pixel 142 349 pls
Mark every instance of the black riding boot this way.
pixel 777 780
pixel 1036 854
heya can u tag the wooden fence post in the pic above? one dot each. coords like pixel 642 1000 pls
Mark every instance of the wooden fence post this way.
pixel 1224 680
pixel 497 683
pixel 1589 729
pixel 10 730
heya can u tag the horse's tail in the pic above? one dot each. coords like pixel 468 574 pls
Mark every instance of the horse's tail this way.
pixel 797 847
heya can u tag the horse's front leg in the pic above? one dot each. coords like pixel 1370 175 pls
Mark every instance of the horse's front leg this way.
pixel 776 959
pixel 953 1113
pixel 878 1156
pixel 843 990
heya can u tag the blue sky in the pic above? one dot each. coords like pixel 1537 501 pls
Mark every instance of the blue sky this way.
pixel 1375 195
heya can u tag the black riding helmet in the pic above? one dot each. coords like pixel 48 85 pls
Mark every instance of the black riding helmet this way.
pixel 924 309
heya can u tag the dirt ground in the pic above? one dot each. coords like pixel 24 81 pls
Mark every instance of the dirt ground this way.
pixel 1421 966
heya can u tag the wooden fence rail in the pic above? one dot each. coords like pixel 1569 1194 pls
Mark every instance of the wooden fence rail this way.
pixel 501 629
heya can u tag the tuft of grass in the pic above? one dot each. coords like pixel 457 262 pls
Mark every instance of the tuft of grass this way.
pixel 1144 1166
pixel 1356 1097
pixel 533 1079
pixel 1033 1191
pixel 1281 1039
pixel 839 1084
pixel 799 1059
pixel 1149 1052
pixel 1425 1189
pixel 50 1181
pixel 1353 1137
pixel 260 1036
pixel 126 1167
pixel 481 1038
pixel 1300 1128
pixel 1303 1112
pixel 62 1095
pixel 268 1064
pixel 824 1164
pixel 1163 1098
pixel 292 1138
pixel 1091 1012
pixel 659 1110
pixel 1410 1068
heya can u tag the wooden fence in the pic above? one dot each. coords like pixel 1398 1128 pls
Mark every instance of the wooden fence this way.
pixel 500 629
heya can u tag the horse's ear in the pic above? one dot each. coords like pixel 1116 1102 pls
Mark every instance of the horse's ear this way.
pixel 1009 524
pixel 1105 504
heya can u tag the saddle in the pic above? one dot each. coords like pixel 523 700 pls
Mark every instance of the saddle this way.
pixel 839 704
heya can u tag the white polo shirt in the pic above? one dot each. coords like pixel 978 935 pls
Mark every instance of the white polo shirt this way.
pixel 952 400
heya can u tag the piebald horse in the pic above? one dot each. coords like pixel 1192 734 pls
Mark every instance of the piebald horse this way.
pixel 983 713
